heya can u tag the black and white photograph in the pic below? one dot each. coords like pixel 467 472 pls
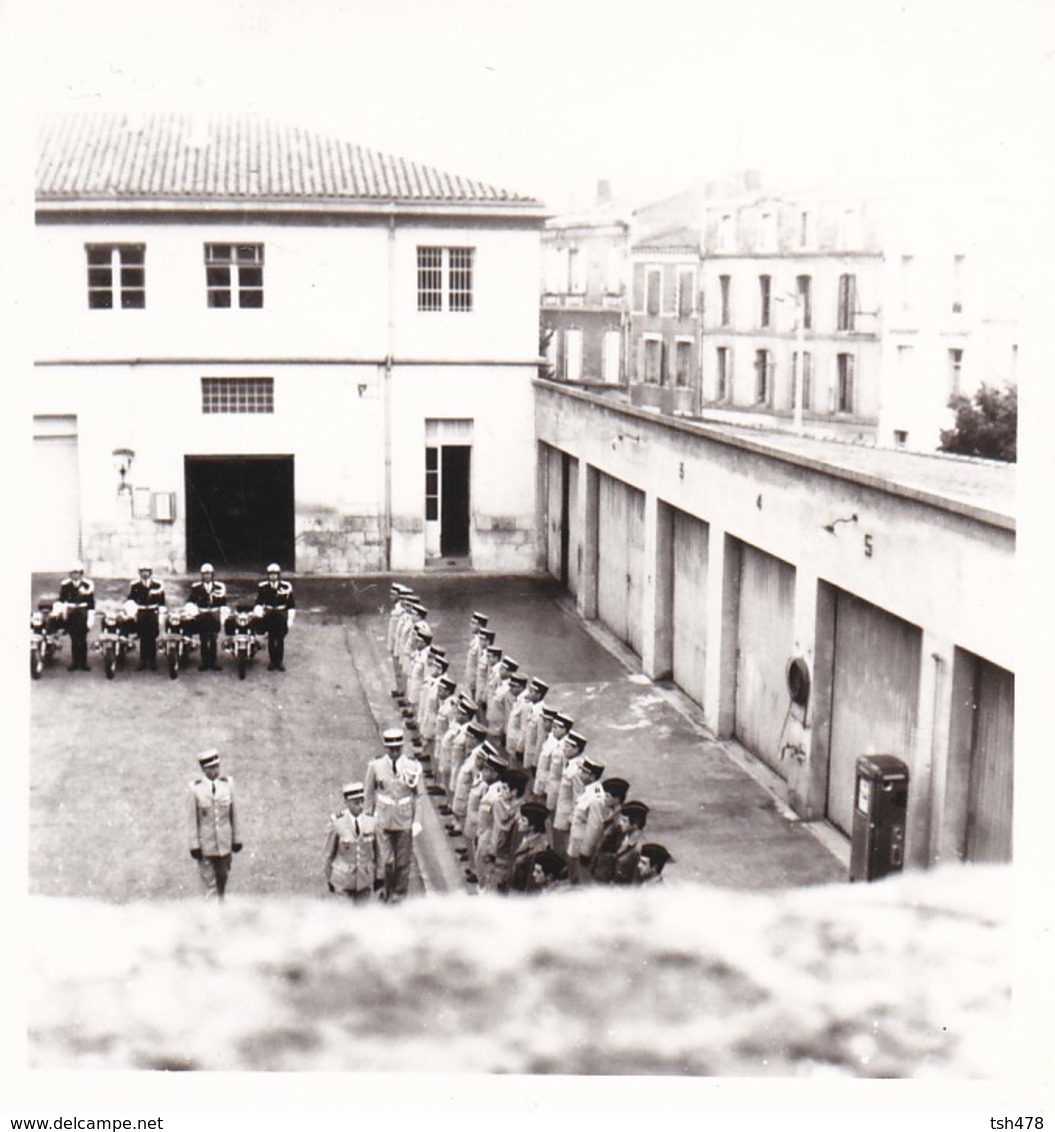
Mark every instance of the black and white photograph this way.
pixel 517 507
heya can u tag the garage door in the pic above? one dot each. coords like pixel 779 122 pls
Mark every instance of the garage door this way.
pixel 689 604
pixel 554 489
pixel 621 558
pixel 765 636
pixel 992 765
pixel 56 494
pixel 875 694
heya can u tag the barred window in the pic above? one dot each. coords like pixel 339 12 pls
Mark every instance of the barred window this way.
pixel 234 269
pixel 237 394
pixel 116 269
pixel 445 279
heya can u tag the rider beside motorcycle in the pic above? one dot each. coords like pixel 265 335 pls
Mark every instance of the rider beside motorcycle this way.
pixel 146 598
pixel 77 600
pixel 209 596
pixel 275 610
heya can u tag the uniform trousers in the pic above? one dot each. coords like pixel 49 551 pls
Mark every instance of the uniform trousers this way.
pixel 214 872
pixel 77 628
pixel 147 632
pixel 276 622
pixel 394 850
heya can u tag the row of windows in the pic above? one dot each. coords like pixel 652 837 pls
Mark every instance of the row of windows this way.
pixel 764 373
pixel 234 276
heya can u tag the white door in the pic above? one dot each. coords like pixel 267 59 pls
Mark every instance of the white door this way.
pixel 573 355
pixel 612 351
pixel 56 494
pixel 689 604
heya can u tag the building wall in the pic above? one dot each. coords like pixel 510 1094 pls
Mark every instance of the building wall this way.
pixel 752 497
pixel 338 301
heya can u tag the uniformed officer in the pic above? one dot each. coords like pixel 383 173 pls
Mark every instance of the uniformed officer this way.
pixel 490 655
pixel 454 740
pixel 616 860
pixel 393 790
pixel 214 832
pixel 579 773
pixel 210 598
pixel 477 622
pixel 478 809
pixel 146 598
pixel 651 863
pixel 275 607
pixel 396 592
pixel 532 836
pixel 532 732
pixel 350 857
pixel 416 663
pixel 549 872
pixel 594 815
pixel 77 595
pixel 505 831
pixel 559 726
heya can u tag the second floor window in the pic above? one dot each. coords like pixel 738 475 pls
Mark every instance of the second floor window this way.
pixel 805 305
pixel 234 270
pixel 724 286
pixel 686 287
pixel 765 299
pixel 725 373
pixel 847 302
pixel 844 393
pixel 445 279
pixel 116 276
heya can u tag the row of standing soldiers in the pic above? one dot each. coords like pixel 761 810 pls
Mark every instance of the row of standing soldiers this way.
pixel 146 602
pixel 535 810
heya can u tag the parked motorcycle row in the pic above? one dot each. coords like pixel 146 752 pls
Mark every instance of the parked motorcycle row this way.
pixel 243 635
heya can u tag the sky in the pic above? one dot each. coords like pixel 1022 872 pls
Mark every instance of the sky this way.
pixel 550 96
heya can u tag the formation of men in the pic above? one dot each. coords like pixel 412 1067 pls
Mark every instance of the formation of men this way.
pixel 207 612
pixel 534 810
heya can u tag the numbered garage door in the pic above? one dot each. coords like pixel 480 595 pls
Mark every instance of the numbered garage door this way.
pixel 689 604
pixel 765 636
pixel 56 494
pixel 620 558
pixel 875 694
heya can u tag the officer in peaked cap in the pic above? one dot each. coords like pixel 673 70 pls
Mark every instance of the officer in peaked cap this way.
pixel 77 595
pixel 579 775
pixel 214 833
pixel 350 856
pixel 393 792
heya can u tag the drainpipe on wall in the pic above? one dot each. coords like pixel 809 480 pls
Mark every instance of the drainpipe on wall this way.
pixel 387 393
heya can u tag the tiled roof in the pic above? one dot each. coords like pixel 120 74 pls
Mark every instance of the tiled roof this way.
pixel 187 157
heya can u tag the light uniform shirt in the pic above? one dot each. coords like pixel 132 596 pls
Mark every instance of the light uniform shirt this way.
pixel 518 715
pixel 350 854
pixel 587 821
pixel 392 791
pixel 213 817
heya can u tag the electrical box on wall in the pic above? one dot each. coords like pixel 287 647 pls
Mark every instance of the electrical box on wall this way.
pixel 164 506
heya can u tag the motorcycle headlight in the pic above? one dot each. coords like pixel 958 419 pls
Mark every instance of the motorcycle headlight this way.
pixel 243 620
pixel 37 621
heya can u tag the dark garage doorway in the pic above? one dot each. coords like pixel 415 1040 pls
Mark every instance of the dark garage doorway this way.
pixel 454 499
pixel 239 511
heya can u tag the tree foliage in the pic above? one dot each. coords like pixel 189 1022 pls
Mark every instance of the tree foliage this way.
pixel 986 425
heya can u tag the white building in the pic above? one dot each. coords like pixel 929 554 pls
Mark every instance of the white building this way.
pixel 297 348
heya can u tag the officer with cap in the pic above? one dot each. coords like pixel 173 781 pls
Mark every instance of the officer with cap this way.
pixel 579 772
pixel 560 725
pixel 616 858
pixel 397 591
pixel 393 791
pixel 595 814
pixel 350 857
pixel 77 595
pixel 275 608
pixel 210 598
pixel 465 774
pixel 146 599
pixel 532 734
pixel 214 832
pixel 477 622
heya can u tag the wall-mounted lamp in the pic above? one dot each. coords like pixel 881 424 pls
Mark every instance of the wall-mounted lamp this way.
pixel 122 458
pixel 830 527
pixel 362 388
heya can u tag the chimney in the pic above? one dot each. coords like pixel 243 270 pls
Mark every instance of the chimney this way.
pixel 604 192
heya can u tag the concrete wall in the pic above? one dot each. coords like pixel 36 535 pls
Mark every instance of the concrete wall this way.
pixel 754 496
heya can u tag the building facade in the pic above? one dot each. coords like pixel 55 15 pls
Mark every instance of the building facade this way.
pixel 276 345
pixel 723 555
pixel 583 317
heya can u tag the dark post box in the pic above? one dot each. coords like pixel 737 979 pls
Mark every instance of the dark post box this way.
pixel 880 805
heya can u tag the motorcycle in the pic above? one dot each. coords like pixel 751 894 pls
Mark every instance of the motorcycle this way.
pixel 117 638
pixel 241 637
pixel 45 638
pixel 177 641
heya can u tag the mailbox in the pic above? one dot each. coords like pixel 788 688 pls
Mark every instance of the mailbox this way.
pixel 880 806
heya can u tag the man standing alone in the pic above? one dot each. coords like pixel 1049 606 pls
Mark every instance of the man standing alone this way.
pixel 392 792
pixel 214 832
